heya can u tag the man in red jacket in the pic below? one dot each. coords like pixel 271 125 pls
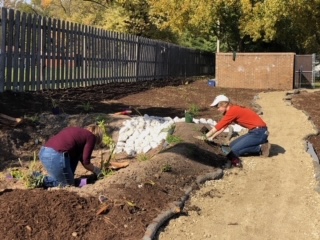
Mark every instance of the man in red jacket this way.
pixel 253 143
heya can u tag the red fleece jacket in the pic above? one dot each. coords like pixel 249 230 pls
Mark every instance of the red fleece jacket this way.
pixel 245 117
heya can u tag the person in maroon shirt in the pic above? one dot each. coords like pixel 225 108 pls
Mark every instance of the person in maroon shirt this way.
pixel 61 153
pixel 252 143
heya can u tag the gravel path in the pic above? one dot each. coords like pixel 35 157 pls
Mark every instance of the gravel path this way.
pixel 270 198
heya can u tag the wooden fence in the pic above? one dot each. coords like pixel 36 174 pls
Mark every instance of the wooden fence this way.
pixel 43 53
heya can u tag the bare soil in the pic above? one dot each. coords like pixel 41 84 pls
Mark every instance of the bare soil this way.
pixel 143 191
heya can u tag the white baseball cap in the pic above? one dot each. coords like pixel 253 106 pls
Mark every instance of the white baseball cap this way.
pixel 218 99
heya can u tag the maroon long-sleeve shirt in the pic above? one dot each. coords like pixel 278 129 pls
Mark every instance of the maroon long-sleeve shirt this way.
pixel 76 142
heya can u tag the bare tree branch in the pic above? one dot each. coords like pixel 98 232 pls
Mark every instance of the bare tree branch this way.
pixel 64 9
pixel 97 3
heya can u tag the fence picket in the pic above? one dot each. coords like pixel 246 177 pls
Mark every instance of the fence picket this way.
pixel 42 53
pixel 38 53
pixel 47 55
pixel 3 49
pixel 53 62
pixel 82 56
pixel 72 59
pixel 66 55
pixel 10 49
pixel 28 53
pixel 16 38
pixel 22 53
pixel 62 54
pixel 33 53
pixel 58 62
pixel 79 60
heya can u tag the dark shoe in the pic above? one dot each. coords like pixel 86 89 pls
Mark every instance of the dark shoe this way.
pixel 265 149
pixel 232 163
pixel 236 163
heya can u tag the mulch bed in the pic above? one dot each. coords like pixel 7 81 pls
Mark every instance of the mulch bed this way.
pixel 136 195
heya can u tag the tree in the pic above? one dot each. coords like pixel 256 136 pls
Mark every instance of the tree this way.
pixel 207 19
pixel 239 25
pixel 282 23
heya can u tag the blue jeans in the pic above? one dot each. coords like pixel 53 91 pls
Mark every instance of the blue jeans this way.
pixel 58 166
pixel 249 144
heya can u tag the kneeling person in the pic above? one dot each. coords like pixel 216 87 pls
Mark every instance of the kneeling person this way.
pixel 253 143
pixel 61 154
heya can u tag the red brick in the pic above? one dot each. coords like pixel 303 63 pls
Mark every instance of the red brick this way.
pixel 255 70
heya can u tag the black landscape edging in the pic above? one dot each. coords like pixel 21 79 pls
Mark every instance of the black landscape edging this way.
pixel 308 147
pixel 176 207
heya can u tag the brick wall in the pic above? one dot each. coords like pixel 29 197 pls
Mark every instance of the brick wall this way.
pixel 255 70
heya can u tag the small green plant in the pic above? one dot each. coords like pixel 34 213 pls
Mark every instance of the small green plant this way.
pixel 55 108
pixel 35 165
pixel 104 164
pixel 142 157
pixel 101 118
pixel 31 177
pixel 166 168
pixel 106 172
pixel 107 141
pixel 193 110
pixel 170 129
pixel 16 173
pixel 54 103
pixel 34 118
pixel 34 180
pixel 172 139
pixel 86 106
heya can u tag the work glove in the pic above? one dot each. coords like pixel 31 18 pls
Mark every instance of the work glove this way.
pixel 97 171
